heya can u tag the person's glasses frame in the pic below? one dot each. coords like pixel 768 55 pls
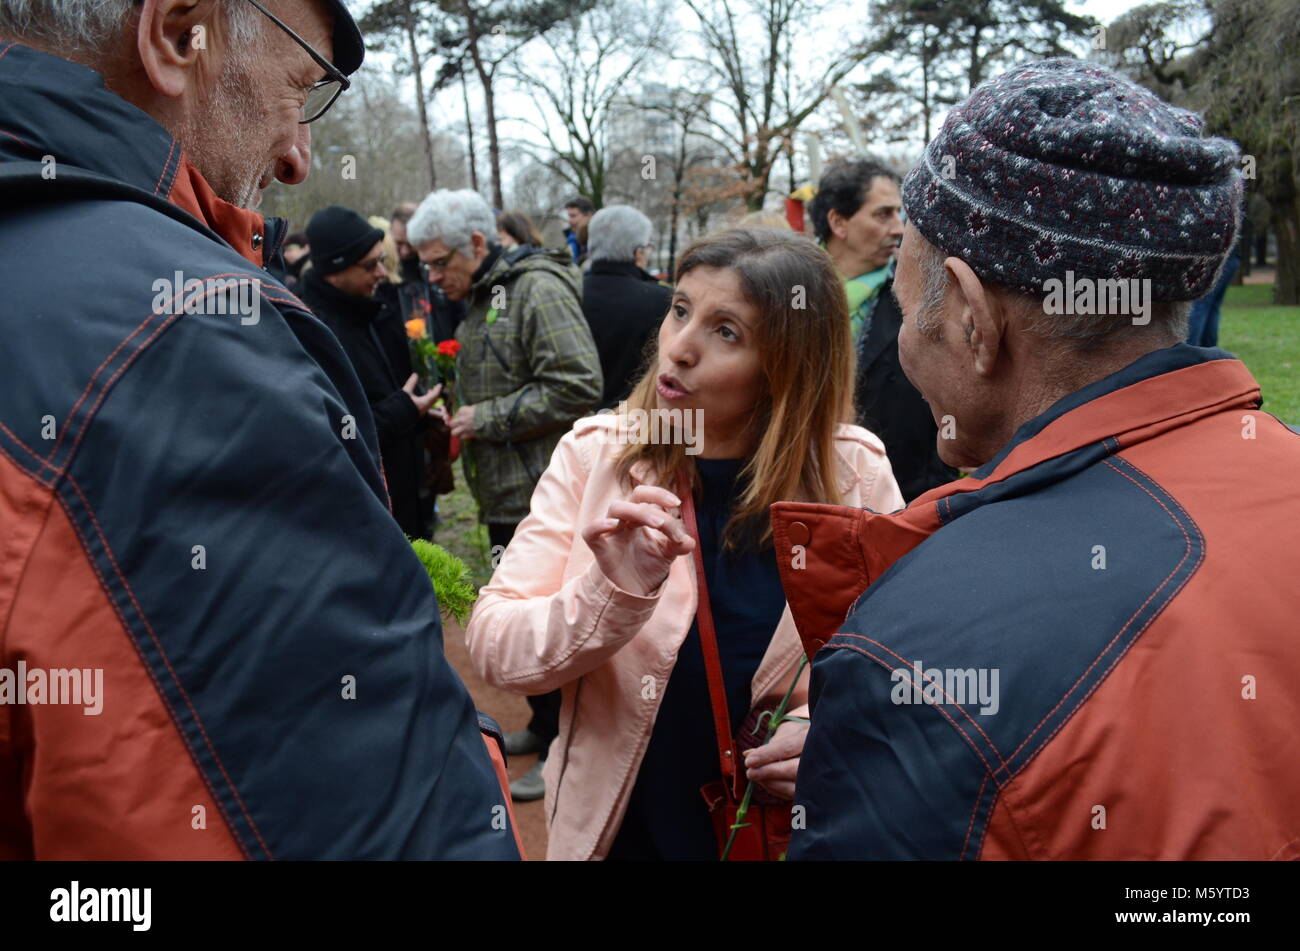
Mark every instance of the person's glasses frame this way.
pixel 442 262
pixel 327 90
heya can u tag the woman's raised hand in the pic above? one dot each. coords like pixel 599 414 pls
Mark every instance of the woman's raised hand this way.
pixel 638 539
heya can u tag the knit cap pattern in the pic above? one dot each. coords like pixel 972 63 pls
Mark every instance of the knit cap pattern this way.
pixel 1063 165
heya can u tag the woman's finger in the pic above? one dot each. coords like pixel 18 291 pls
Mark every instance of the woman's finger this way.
pixel 781 789
pixel 657 496
pixel 639 513
pixel 594 533
pixel 784 771
pixel 786 744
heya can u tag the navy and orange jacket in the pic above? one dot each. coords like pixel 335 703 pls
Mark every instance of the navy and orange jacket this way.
pixel 193 504
pixel 1127 567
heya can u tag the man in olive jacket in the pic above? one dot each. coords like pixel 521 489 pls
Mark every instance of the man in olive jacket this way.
pixel 527 369
pixel 527 366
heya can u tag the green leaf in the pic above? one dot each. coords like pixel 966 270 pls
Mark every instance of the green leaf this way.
pixel 450 578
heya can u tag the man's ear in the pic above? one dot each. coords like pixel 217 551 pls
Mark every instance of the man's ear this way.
pixel 479 244
pixel 172 36
pixel 982 317
pixel 837 223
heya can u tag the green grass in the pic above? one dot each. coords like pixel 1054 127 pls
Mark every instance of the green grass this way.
pixel 461 534
pixel 1266 338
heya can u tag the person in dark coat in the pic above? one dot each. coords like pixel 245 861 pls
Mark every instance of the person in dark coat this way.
pixel 890 406
pixel 413 297
pixel 192 500
pixel 347 262
pixel 624 305
pixel 855 215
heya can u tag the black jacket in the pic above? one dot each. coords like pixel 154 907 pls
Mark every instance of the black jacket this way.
pixel 216 433
pixel 624 307
pixel 415 297
pixel 373 338
pixel 892 408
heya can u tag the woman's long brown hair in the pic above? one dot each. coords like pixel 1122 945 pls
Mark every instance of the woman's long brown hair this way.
pixel 807 360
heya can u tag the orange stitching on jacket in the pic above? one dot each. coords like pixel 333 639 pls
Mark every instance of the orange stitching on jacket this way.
pixel 90 384
pixel 961 707
pixel 163 654
pixel 978 796
pixel 166 162
pixel 964 735
pixel 126 628
pixel 1120 633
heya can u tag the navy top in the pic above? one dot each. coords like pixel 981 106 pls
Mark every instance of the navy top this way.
pixel 666 816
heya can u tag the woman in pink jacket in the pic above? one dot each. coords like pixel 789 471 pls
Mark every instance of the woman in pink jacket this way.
pixel 593 594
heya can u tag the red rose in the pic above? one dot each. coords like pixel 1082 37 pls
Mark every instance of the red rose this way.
pixel 449 348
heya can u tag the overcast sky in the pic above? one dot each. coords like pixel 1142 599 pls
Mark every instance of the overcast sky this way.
pixel 842 20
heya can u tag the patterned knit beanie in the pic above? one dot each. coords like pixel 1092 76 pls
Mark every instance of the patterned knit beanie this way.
pixel 1062 165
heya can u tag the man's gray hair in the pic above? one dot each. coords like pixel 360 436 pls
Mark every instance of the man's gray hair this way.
pixel 91 28
pixel 453 217
pixel 615 232
pixel 1077 331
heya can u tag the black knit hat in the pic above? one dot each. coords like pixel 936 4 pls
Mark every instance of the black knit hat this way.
pixel 339 237
pixel 1063 165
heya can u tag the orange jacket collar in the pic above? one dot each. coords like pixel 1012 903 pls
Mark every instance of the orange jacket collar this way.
pixel 839 551
pixel 243 230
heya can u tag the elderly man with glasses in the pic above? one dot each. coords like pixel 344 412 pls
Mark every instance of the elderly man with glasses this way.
pixel 192 504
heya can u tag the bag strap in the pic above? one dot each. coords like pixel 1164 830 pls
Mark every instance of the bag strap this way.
pixel 709 645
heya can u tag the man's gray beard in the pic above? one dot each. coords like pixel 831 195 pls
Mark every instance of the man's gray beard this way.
pixel 215 137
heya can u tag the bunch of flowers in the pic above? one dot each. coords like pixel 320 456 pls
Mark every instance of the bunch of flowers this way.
pixel 434 363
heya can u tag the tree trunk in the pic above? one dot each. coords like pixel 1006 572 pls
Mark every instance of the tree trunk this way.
pixel 760 169
pixel 1286 225
pixel 494 147
pixel 469 134
pixel 672 232
pixel 489 103
pixel 419 96
pixel 974 68
pixel 490 108
pixel 1283 194
pixel 925 80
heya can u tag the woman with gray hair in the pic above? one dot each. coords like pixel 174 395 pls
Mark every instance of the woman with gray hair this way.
pixel 622 303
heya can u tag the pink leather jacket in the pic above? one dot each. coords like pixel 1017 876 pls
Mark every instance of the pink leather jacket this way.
pixel 550 618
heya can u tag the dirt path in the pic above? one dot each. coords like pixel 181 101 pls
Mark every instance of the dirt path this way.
pixel 511 711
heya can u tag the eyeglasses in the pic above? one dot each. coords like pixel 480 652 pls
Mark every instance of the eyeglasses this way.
pixel 322 94
pixel 442 262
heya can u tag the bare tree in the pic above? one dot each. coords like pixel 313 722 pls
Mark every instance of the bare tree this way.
pixel 487 34
pixel 764 95
pixel 686 109
pixel 579 86
pixel 403 27
pixel 362 152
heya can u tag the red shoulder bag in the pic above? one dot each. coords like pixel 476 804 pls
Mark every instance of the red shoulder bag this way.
pixel 764 835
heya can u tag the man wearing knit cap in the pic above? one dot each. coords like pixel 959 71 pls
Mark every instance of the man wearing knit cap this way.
pixel 347 261
pixel 1086 649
